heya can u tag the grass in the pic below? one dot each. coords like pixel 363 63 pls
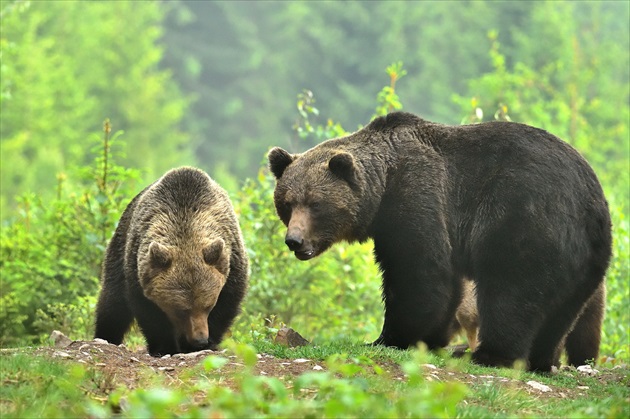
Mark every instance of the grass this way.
pixel 357 381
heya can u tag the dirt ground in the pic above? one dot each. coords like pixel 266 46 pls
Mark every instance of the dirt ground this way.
pixel 123 367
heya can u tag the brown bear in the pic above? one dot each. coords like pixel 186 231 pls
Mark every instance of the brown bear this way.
pixel 510 206
pixel 581 344
pixel 177 264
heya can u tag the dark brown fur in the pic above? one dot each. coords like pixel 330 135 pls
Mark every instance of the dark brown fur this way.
pixel 177 264
pixel 512 207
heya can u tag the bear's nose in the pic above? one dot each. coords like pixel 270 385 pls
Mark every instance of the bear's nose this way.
pixel 293 242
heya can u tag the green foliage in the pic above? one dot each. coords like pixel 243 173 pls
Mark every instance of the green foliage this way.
pixel 387 98
pixel 64 65
pixel 36 387
pixel 51 252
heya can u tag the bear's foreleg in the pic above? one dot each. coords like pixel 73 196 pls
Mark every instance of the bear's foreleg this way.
pixel 156 328
pixel 420 292
pixel 229 302
pixel 113 315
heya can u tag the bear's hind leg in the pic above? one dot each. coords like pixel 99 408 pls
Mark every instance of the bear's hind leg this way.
pixel 583 341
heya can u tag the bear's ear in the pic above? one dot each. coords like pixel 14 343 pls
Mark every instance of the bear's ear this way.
pixel 212 252
pixel 159 256
pixel 279 159
pixel 342 165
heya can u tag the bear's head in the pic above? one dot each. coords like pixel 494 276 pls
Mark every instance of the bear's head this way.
pixel 315 197
pixel 185 281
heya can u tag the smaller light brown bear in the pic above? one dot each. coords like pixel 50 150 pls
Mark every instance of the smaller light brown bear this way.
pixel 177 264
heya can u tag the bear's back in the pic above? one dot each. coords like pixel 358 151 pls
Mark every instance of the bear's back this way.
pixel 186 187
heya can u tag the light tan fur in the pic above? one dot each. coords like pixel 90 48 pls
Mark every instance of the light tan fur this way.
pixel 468 315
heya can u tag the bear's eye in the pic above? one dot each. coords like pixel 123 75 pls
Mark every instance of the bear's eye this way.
pixel 286 207
pixel 315 206
pixel 182 314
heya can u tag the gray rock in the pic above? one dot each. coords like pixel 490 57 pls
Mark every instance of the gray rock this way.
pixel 289 337
pixel 59 339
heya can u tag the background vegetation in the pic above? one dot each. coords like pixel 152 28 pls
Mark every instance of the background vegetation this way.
pixel 214 84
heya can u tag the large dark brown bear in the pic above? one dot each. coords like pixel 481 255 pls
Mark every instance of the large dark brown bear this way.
pixel 177 264
pixel 510 206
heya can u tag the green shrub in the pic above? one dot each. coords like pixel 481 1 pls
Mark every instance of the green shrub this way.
pixel 51 252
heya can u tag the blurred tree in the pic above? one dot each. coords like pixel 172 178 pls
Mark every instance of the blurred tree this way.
pixel 572 80
pixel 68 65
pixel 246 61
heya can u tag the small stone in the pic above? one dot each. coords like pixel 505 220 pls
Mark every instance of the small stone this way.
pixel 263 373
pixel 167 356
pixel 318 368
pixel 134 359
pixel 62 354
pixel 300 360
pixel 430 366
pixel 59 339
pixel 100 341
pixel 166 368
pixel 583 387
pixel 538 386
pixel 289 337
pixel 587 370
pixel 190 355
pixel 100 364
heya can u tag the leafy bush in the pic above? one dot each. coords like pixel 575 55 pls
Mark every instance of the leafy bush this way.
pixel 52 251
